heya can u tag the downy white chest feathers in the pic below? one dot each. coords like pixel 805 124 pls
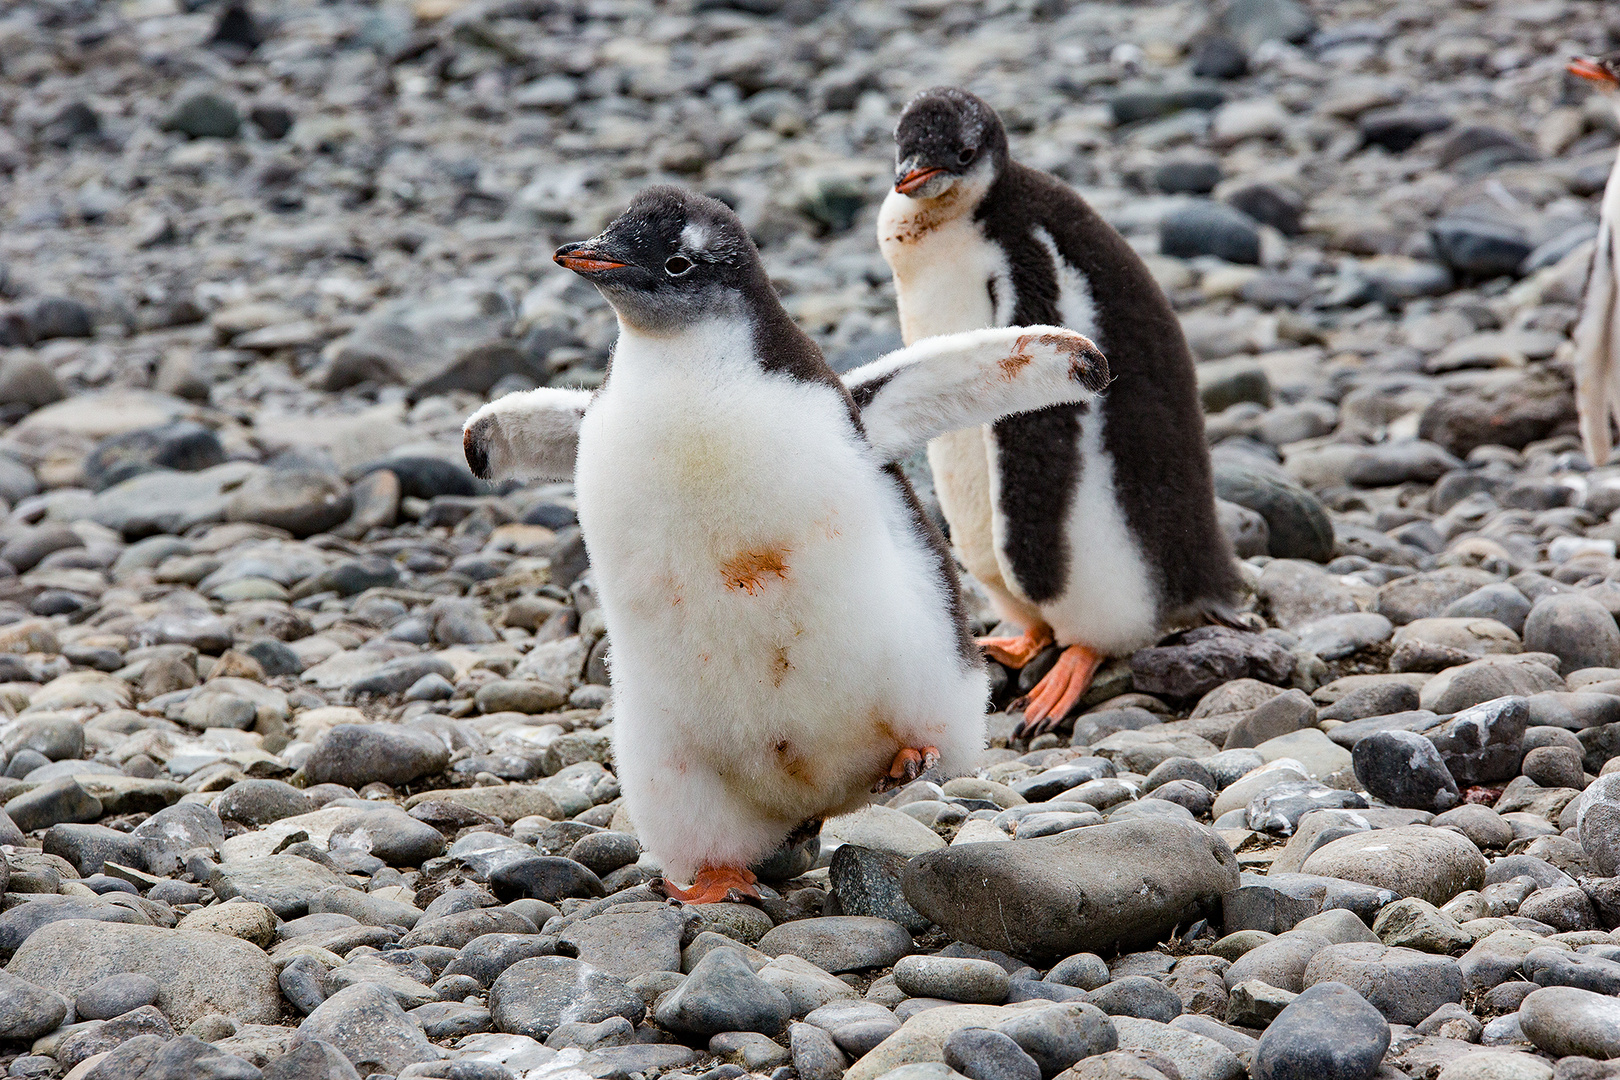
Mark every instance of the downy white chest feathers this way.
pixel 776 628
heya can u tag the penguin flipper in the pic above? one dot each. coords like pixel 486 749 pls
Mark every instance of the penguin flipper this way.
pixel 531 435
pixel 960 380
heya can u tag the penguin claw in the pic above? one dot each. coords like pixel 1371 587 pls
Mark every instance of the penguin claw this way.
pixel 1015 652
pixel 715 885
pixel 1059 691
pixel 909 763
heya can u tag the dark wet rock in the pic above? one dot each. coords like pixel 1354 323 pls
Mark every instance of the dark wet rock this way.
pixel 1403 984
pixel 534 996
pixel 360 754
pixel 1404 769
pixel 1477 246
pixel 1270 204
pixel 867 882
pixel 205 115
pixel 90 847
pixel 61 800
pixel 1297 524
pixel 723 993
pixel 1187 177
pixel 1397 129
pixel 1210 228
pixel 1202 659
pixel 185 445
pixel 1130 106
pixel 1482 743
pixel 1329 1032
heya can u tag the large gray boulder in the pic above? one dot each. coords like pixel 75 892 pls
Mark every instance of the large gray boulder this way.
pixel 197 972
pixel 1116 886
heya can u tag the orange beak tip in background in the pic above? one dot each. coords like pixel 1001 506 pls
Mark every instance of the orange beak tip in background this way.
pixel 1586 69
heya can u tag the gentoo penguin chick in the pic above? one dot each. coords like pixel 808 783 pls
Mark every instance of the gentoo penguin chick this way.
pixel 1597 342
pixel 786 625
pixel 1093 525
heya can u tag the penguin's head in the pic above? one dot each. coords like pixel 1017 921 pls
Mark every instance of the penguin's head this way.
pixel 944 136
pixel 674 258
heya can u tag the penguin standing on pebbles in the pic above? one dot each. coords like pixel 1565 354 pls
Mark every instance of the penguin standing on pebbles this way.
pixel 786 625
pixel 1093 525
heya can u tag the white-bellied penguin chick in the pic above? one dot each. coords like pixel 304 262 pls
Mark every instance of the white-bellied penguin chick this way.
pixel 786 626
pixel 1091 524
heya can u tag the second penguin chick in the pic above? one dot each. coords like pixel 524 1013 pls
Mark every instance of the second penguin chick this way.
pixel 1093 524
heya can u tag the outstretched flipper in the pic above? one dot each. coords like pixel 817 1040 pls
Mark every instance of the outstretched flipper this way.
pixel 531 435
pixel 955 381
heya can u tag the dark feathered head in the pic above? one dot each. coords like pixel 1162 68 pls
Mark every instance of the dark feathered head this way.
pixel 672 259
pixel 943 135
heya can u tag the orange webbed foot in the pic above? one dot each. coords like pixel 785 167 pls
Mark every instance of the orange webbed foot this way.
pixel 1015 652
pixel 716 885
pixel 1059 690
pixel 909 763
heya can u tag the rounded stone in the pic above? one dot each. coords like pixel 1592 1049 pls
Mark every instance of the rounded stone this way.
pixel 1411 860
pixel 1329 1032
pixel 114 996
pixel 974 982
pixel 520 695
pixel 303 502
pixel 1496 1065
pixel 1563 1020
pixel 1403 984
pixel 1576 629
pixel 259 802
pixel 985 1054
pixel 534 996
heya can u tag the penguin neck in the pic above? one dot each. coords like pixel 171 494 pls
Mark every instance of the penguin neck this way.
pixel 941 259
pixel 718 347
pixel 712 348
pixel 904 223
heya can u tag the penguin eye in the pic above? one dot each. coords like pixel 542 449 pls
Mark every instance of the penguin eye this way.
pixel 676 265
pixel 965 156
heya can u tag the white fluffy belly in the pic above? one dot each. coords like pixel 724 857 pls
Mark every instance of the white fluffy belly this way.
pixel 772 617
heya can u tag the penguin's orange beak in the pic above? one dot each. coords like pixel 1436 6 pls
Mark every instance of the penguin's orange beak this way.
pixel 915 179
pixel 1586 69
pixel 584 260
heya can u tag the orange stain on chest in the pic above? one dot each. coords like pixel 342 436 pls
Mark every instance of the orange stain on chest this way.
pixel 750 570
